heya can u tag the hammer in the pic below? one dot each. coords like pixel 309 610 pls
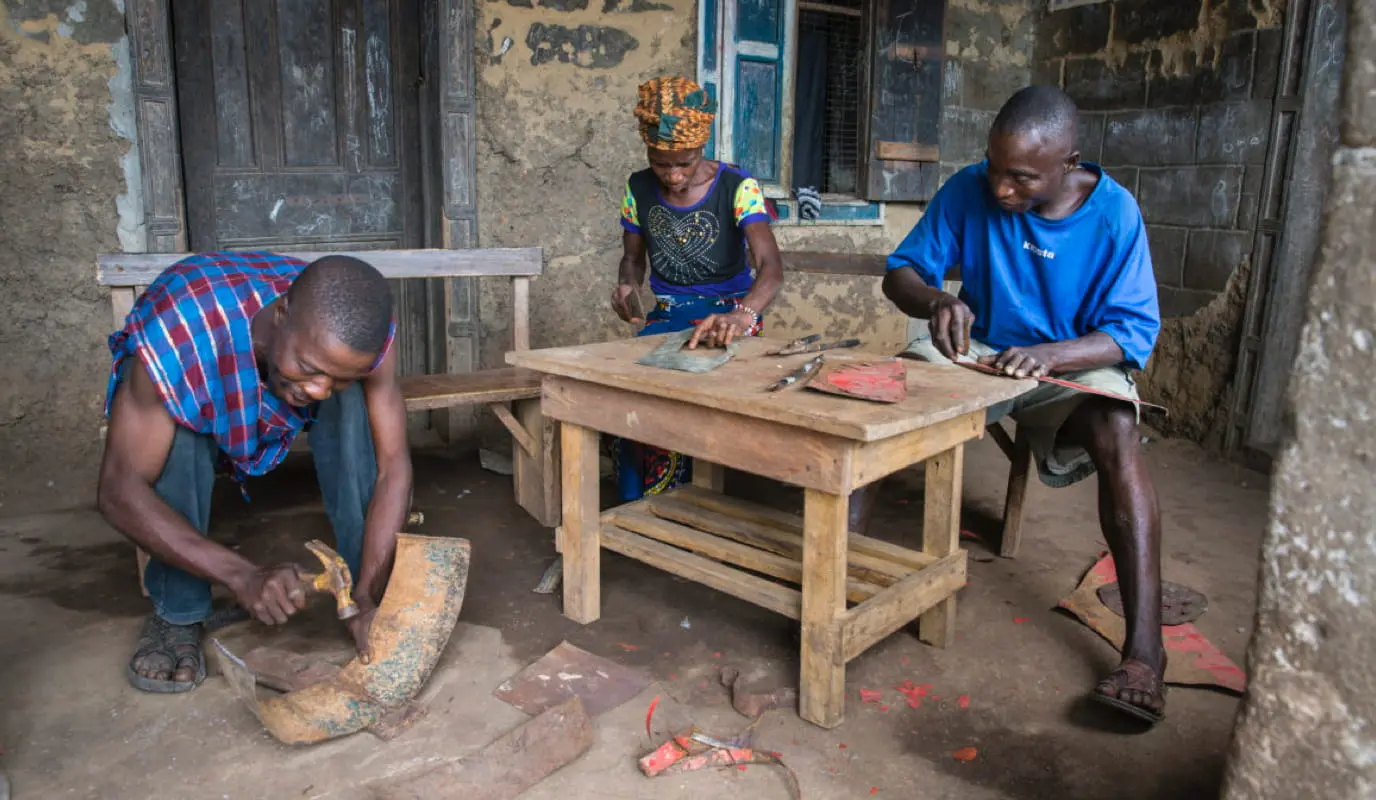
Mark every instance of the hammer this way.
pixel 336 578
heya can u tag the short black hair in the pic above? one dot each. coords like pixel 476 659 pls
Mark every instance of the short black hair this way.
pixel 1043 110
pixel 349 297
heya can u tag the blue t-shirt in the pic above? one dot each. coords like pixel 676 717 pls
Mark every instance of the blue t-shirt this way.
pixel 1032 280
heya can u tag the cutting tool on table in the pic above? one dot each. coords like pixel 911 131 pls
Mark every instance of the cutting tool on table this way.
pixel 812 344
pixel 800 376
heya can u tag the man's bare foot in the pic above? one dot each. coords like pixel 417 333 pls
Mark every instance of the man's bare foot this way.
pixel 1135 687
pixel 169 658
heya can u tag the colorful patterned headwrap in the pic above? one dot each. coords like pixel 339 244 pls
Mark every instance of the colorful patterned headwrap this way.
pixel 675 114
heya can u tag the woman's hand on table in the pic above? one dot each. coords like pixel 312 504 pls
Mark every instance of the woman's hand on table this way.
pixel 625 302
pixel 717 330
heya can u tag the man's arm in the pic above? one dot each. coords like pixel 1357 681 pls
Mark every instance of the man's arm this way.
pixel 139 438
pixel 392 491
pixel 920 263
pixel 1095 350
pixel 950 319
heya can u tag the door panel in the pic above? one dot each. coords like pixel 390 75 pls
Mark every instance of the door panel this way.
pixel 300 130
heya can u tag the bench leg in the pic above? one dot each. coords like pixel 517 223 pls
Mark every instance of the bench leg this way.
pixel 537 478
pixel 1018 472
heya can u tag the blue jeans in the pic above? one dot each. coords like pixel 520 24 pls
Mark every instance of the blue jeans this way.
pixel 341 442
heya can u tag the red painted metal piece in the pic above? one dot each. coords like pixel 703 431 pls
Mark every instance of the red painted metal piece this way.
pixel 1079 387
pixel 879 381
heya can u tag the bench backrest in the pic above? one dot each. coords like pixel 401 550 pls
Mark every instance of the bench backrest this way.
pixel 124 273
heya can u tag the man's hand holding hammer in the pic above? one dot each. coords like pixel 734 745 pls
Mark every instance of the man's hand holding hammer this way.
pixel 270 594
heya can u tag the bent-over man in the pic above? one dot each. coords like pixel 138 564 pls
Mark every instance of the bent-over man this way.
pixel 222 362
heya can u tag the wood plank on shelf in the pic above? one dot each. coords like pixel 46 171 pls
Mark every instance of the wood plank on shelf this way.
pixel 717 548
pixel 789 544
pixel 754 512
pixel 750 588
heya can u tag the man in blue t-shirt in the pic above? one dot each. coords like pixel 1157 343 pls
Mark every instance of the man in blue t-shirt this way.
pixel 1056 280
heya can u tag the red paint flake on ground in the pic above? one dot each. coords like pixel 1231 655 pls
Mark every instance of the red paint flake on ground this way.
pixel 874 790
pixel 963 701
pixel 883 708
pixel 903 661
pixel 966 754
pixel 650 715
pixel 740 767
pixel 914 693
pixel 673 676
pixel 868 696
pixel 842 746
pixel 716 655
pixel 629 648
pixel 1019 620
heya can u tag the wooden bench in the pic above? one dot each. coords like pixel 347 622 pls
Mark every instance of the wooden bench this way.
pixel 512 394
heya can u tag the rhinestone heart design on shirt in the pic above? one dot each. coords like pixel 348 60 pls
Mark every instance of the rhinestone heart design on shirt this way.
pixel 682 245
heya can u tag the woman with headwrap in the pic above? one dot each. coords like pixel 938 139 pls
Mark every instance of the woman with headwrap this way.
pixel 698 226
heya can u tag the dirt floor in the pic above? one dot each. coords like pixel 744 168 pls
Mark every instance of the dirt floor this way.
pixel 71 727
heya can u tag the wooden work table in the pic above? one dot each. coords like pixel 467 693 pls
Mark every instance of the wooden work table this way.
pixel 853 591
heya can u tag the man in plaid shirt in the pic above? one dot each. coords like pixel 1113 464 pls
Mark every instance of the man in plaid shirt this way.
pixel 224 360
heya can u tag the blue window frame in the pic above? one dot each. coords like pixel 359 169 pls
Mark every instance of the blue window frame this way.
pixel 746 61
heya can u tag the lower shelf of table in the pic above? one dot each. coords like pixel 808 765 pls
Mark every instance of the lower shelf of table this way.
pixel 755 553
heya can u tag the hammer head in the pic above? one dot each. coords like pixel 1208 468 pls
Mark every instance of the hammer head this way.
pixel 335 578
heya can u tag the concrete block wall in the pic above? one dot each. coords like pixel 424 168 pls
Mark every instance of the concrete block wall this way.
pixel 989 56
pixel 1175 102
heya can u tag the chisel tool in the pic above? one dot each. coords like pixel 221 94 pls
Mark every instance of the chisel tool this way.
pixel 800 376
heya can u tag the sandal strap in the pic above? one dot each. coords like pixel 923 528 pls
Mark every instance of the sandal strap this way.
pixel 175 643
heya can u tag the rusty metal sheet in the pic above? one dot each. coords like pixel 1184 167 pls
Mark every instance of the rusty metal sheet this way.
pixel 568 671
pixel 1179 604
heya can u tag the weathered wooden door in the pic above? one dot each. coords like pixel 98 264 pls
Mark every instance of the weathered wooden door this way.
pixel 300 129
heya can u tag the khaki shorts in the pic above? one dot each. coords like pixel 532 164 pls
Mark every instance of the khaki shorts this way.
pixel 1043 411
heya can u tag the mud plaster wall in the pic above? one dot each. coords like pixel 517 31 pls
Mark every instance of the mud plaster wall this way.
pixel 556 141
pixel 62 173
pixel 1175 103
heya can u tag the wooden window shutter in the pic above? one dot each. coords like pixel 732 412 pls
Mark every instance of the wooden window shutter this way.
pixel 758 93
pixel 709 62
pixel 902 137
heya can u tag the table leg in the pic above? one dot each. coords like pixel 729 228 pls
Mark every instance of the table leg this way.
pixel 823 682
pixel 709 476
pixel 941 536
pixel 581 542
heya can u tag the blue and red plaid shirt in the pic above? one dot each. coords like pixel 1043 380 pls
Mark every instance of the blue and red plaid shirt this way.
pixel 192 329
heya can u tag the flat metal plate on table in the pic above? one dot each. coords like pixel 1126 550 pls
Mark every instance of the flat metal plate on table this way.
pixel 672 355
